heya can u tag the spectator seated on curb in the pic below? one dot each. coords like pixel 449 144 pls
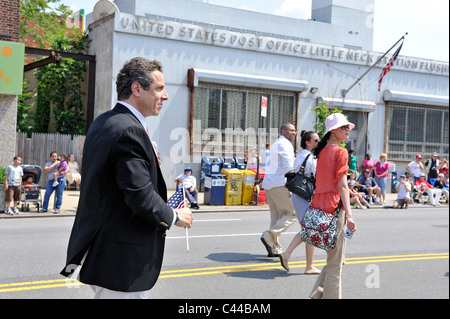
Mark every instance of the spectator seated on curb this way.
pixel 368 185
pixel 441 185
pixel 190 186
pixel 433 193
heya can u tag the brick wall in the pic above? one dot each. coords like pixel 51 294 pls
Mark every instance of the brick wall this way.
pixel 9 21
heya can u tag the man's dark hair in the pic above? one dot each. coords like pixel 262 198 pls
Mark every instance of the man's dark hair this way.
pixel 285 127
pixel 135 70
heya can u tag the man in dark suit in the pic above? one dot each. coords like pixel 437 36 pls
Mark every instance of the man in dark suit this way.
pixel 120 227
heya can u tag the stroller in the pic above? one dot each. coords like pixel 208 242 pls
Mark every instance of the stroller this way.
pixel 31 193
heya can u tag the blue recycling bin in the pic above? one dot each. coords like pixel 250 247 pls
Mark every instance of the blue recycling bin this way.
pixel 229 162
pixel 215 189
pixel 240 163
pixel 209 165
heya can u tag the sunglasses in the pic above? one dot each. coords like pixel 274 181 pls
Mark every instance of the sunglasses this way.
pixel 316 140
pixel 345 127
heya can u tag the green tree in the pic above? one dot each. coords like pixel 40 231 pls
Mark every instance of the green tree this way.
pixel 23 109
pixel 44 23
pixel 59 86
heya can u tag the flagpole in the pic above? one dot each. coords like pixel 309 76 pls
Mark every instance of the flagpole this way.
pixel 185 228
pixel 344 92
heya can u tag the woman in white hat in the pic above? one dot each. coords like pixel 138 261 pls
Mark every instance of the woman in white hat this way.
pixel 331 187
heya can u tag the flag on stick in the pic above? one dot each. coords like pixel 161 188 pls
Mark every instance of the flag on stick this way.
pixel 176 201
pixel 388 66
pixel 185 228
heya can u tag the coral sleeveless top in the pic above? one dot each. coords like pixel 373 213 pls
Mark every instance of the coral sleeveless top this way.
pixel 331 164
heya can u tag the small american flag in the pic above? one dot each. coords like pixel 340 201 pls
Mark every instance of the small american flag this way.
pixel 388 66
pixel 176 201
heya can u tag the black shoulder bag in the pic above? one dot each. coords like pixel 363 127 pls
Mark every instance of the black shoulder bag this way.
pixel 300 184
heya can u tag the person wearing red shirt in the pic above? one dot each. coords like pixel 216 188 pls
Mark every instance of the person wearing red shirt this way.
pixel 331 187
pixel 433 193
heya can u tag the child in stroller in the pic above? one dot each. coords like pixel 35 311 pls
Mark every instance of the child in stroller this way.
pixel 28 181
pixel 31 190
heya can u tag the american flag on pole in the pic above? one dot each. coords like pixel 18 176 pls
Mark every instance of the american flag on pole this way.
pixel 388 66
pixel 176 201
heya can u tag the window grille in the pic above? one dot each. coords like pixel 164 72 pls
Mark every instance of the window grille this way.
pixel 228 117
pixel 417 129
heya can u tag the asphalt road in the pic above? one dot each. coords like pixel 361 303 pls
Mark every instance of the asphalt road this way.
pixel 395 254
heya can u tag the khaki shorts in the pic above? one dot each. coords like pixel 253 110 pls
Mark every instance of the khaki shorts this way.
pixel 401 202
pixel 13 192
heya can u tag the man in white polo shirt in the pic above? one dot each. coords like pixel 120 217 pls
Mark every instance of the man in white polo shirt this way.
pixel 282 213
pixel 416 167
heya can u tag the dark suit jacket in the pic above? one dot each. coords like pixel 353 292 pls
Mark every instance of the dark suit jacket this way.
pixel 122 213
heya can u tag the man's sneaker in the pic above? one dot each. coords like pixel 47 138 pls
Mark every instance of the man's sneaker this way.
pixel 55 183
pixel 16 211
pixel 9 211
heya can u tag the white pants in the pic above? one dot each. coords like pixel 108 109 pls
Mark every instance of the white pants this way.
pixel 103 293
pixel 434 195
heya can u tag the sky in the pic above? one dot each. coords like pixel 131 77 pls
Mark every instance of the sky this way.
pixel 427 22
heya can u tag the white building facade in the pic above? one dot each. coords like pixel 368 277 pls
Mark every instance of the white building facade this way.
pixel 219 62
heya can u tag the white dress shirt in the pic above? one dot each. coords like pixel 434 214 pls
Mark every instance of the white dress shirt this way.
pixel 311 163
pixel 136 113
pixel 281 161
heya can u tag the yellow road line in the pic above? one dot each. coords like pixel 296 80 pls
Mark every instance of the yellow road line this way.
pixel 58 283
pixel 293 263
pixel 299 264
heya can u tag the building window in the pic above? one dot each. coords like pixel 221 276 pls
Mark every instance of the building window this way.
pixel 227 118
pixel 417 129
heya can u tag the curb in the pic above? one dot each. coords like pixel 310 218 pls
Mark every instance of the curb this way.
pixel 218 210
pixel 201 211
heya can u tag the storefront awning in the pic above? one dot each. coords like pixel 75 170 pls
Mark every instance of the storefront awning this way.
pixel 415 98
pixel 198 75
pixel 349 105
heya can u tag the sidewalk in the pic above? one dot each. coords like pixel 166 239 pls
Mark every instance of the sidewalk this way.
pixel 70 203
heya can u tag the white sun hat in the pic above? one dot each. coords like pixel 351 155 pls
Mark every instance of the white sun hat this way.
pixel 335 121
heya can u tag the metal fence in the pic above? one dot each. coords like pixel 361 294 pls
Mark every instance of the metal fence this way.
pixel 418 130
pixel 36 150
pixel 228 117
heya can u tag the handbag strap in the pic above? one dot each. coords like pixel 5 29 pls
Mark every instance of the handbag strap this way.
pixel 303 166
pixel 339 207
pixel 338 210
